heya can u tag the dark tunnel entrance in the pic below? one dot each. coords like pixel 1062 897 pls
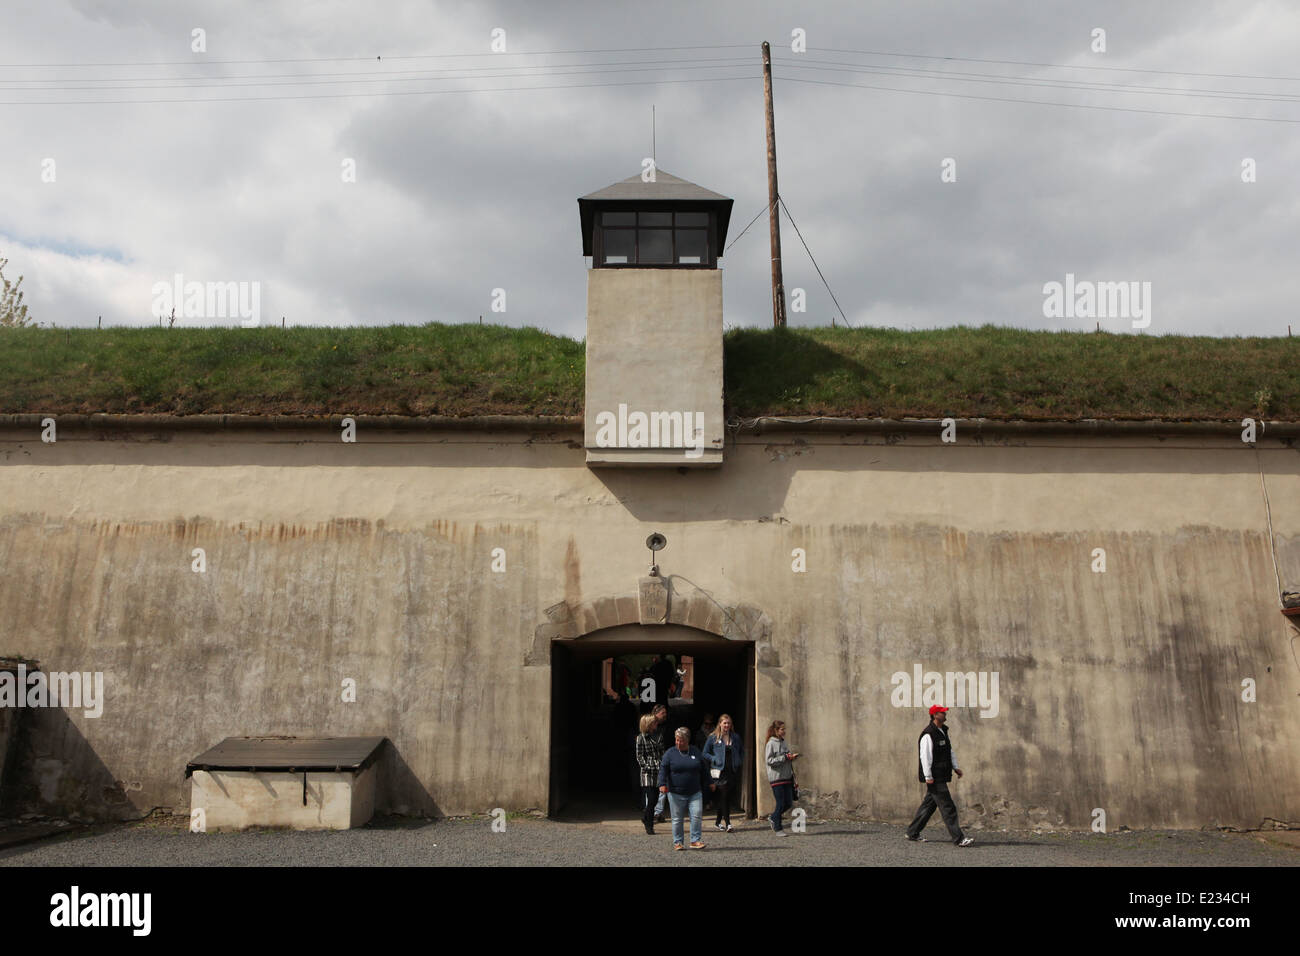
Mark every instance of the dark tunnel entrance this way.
pixel 593 734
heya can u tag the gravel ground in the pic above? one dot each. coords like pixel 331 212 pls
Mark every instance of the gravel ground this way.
pixel 528 841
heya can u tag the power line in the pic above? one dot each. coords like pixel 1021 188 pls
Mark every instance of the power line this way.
pixel 781 199
pixel 350 59
pixel 386 79
pixel 1064 66
pixel 1078 85
pixel 406 76
pixel 334 96
pixel 222 83
pixel 364 73
pixel 1006 99
pixel 657 49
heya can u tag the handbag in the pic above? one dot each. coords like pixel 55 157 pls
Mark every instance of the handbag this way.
pixel 794 790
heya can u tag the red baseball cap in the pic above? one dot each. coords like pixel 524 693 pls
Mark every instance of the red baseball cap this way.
pixel 936 709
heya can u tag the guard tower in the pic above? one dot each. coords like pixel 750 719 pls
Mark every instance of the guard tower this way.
pixel 654 323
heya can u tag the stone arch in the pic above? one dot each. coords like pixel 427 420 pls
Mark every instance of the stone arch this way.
pixel 697 610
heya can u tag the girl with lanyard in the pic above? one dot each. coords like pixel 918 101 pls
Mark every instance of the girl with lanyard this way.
pixel 723 749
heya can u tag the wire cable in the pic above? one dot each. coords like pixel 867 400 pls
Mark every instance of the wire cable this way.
pixel 1076 85
pixel 1272 547
pixel 417 56
pixel 1063 66
pixel 746 229
pixel 1272 542
pixel 657 49
pixel 388 79
pixel 1008 99
pixel 465 72
pixel 781 199
pixel 334 96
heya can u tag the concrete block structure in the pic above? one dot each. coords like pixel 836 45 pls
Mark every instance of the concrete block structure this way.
pixel 300 783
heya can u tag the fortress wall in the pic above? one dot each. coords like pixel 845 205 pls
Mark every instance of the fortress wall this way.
pixel 373 561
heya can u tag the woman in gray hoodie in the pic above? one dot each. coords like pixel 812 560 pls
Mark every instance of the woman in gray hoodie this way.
pixel 780 771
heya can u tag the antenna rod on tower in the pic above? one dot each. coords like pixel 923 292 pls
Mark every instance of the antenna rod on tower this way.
pixel 654 156
pixel 774 214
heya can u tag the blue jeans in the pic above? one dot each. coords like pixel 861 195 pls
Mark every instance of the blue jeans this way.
pixel 784 801
pixel 681 803
pixel 659 804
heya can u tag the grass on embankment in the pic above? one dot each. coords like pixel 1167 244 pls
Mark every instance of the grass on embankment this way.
pixel 1004 373
pixel 395 369
pixel 471 369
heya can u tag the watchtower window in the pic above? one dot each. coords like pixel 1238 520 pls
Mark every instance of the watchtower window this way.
pixel 642 238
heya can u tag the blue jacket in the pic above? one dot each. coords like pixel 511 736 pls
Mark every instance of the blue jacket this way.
pixel 715 752
pixel 684 774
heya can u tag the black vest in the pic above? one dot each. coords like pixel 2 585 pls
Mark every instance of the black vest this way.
pixel 941 762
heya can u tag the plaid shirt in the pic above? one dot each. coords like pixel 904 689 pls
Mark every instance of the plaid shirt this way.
pixel 649 754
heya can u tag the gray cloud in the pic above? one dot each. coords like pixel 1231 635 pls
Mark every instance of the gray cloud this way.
pixel 458 194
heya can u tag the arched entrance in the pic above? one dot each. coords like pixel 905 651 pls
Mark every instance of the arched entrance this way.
pixel 593 766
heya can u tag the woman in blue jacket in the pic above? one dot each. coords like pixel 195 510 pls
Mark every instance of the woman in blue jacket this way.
pixel 683 774
pixel 726 756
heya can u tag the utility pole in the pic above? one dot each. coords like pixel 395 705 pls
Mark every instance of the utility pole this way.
pixel 773 213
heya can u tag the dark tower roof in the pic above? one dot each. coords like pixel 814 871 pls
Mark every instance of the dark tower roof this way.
pixel 632 193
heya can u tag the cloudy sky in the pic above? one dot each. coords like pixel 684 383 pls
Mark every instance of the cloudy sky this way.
pixel 229 165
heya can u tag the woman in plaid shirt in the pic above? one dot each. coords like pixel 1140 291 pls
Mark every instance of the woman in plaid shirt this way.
pixel 649 754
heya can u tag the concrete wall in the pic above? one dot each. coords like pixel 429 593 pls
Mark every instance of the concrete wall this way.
pixel 1119 690
pixel 239 799
pixel 654 344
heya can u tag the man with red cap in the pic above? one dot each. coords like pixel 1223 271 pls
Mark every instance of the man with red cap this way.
pixel 935 767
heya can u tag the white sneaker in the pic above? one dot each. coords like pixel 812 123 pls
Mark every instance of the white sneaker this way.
pixel 966 842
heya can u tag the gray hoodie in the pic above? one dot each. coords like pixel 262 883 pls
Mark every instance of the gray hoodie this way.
pixel 778 767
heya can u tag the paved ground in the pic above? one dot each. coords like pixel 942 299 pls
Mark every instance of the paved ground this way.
pixel 530 841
